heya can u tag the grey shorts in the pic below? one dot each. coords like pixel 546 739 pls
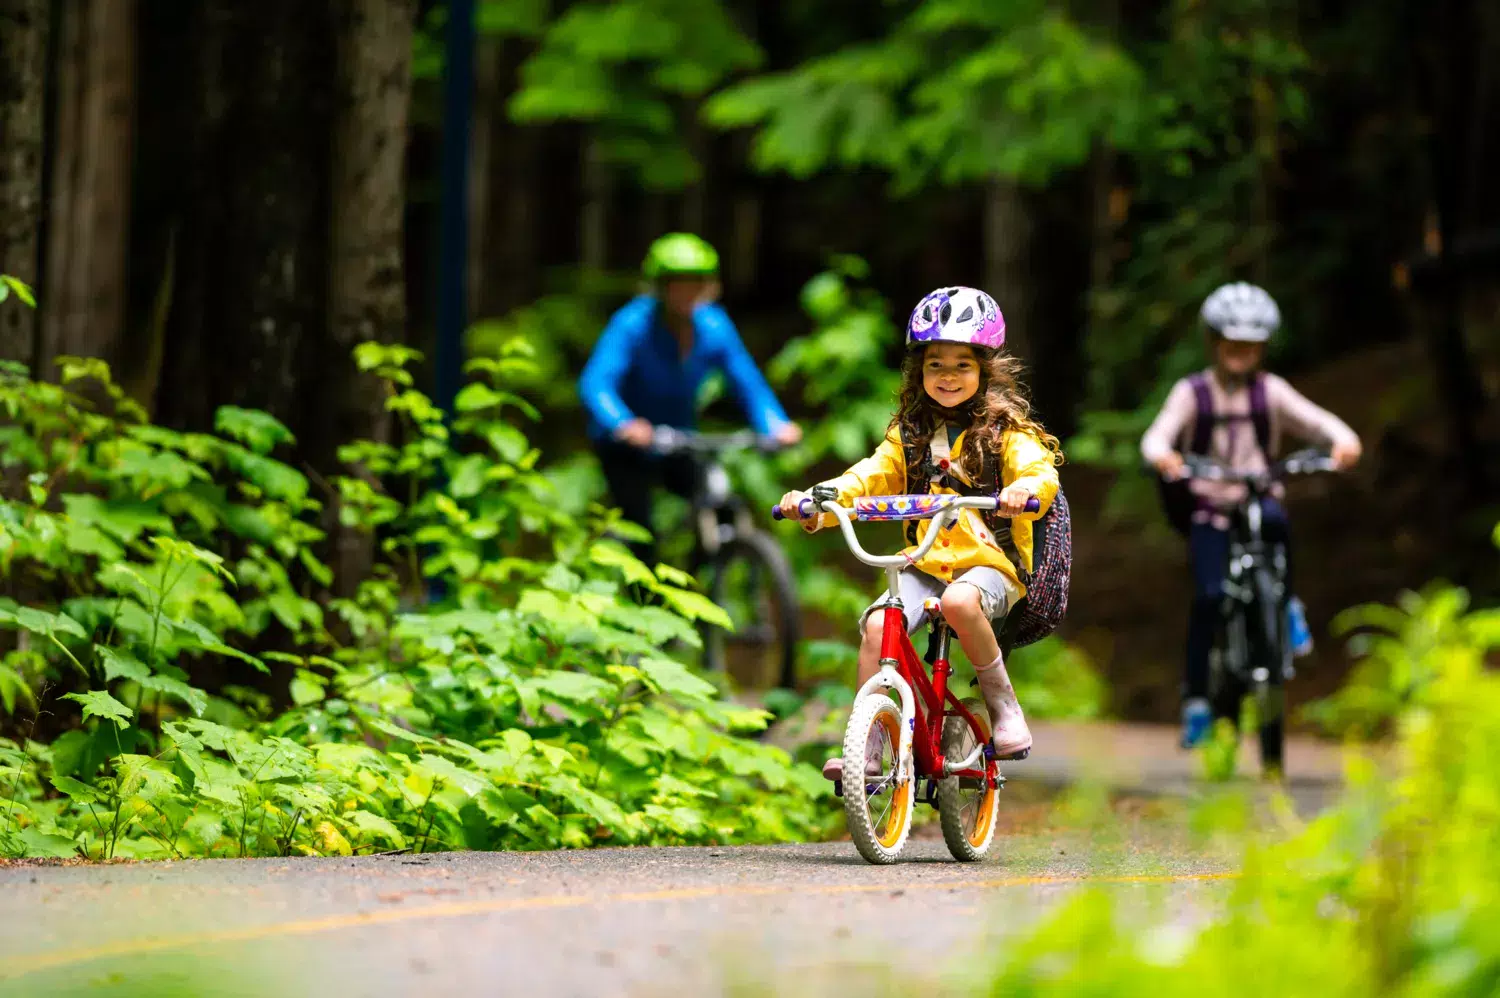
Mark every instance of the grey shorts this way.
pixel 997 594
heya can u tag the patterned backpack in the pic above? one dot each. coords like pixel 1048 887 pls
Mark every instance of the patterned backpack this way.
pixel 1046 600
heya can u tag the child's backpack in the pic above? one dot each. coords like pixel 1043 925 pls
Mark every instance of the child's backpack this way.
pixel 1046 600
pixel 1177 499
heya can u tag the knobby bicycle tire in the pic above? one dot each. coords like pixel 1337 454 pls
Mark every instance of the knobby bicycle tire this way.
pixel 1271 709
pixel 763 554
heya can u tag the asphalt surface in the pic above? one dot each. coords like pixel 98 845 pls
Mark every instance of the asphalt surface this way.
pixel 796 920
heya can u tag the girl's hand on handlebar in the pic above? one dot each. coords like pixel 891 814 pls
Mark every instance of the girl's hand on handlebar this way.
pixel 791 506
pixel 1012 500
pixel 1171 466
pixel 1346 455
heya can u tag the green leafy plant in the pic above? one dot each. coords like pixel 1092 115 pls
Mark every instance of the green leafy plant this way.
pixel 531 707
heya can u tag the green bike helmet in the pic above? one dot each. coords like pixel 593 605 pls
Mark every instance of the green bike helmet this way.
pixel 680 254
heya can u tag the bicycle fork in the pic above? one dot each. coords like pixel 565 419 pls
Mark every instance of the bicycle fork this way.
pixel 889 677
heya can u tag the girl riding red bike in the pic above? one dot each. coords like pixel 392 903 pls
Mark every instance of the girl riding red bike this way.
pixel 963 428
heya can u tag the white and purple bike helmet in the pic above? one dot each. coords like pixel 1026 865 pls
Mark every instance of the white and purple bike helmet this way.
pixel 956 315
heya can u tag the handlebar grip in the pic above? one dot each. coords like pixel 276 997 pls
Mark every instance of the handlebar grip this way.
pixel 804 507
pixel 1033 505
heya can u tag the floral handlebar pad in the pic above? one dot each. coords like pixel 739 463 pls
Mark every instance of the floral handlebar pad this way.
pixel 900 507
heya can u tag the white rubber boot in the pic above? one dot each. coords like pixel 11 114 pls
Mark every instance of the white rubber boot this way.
pixel 1011 737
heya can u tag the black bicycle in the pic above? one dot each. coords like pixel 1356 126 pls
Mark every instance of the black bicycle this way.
pixel 1252 653
pixel 743 569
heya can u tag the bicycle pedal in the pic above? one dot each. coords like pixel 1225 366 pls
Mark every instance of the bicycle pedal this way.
pixel 1017 756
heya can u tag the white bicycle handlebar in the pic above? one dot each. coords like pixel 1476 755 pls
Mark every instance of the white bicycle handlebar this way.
pixel 945 516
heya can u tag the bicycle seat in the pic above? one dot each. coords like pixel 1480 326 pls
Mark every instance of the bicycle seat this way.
pixel 932 608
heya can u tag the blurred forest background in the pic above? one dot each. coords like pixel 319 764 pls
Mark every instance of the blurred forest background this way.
pixel 222 199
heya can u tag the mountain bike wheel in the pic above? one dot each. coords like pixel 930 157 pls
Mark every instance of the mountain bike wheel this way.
pixel 877 805
pixel 750 579
pixel 1271 708
pixel 1270 695
pixel 967 808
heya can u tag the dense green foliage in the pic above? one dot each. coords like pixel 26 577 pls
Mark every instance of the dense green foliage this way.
pixel 532 706
pixel 1392 892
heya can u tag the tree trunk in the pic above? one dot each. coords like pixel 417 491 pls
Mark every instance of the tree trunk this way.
pixel 366 287
pixel 23 84
pixel 85 280
pixel 695 197
pixel 1007 272
pixel 249 309
pixel 1107 214
pixel 514 183
pixel 1455 89
pixel 483 135
pixel 593 221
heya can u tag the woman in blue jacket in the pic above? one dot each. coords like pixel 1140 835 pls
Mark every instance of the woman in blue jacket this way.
pixel 648 366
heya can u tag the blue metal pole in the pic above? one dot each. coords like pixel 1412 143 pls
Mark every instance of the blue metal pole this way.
pixel 453 238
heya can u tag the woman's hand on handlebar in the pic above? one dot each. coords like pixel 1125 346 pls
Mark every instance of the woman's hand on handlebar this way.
pixel 787 435
pixel 1012 500
pixel 636 432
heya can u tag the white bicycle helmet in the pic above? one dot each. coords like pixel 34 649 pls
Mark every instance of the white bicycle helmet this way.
pixel 956 315
pixel 1242 312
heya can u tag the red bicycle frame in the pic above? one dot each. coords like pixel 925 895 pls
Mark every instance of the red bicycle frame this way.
pixel 930 695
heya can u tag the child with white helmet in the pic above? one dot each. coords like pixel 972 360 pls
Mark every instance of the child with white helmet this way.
pixel 1237 414
pixel 963 423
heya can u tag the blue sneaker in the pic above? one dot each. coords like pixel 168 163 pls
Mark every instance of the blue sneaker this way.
pixel 1298 633
pixel 1197 717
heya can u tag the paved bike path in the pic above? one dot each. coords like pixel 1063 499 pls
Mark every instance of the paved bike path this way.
pixel 793 919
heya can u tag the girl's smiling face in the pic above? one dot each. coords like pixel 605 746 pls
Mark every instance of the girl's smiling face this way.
pixel 950 373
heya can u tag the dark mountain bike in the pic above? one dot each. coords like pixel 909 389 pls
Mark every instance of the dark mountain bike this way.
pixel 1252 653
pixel 743 569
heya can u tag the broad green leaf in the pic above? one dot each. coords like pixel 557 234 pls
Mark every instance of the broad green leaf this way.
pixel 20 287
pixel 508 442
pixel 80 792
pixel 41 621
pixel 396 731
pixel 374 826
pixel 260 431
pixel 121 519
pixel 601 809
pixel 46 844
pixel 98 703
pixel 696 606
pixel 120 664
pixel 674 576
pixel 452 774
pixel 306 688
pixel 330 841
pixel 612 554
pixel 476 396
pixel 145 777
pixel 674 678
pixel 196 699
pixel 574 687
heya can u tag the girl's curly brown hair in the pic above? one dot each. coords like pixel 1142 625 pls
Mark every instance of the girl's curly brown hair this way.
pixel 1000 405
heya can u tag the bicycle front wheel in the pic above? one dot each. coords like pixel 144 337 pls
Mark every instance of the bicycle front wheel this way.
pixel 751 580
pixel 1270 700
pixel 967 807
pixel 878 804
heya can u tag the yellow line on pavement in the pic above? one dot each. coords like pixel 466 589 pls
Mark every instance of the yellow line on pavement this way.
pixel 20 966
